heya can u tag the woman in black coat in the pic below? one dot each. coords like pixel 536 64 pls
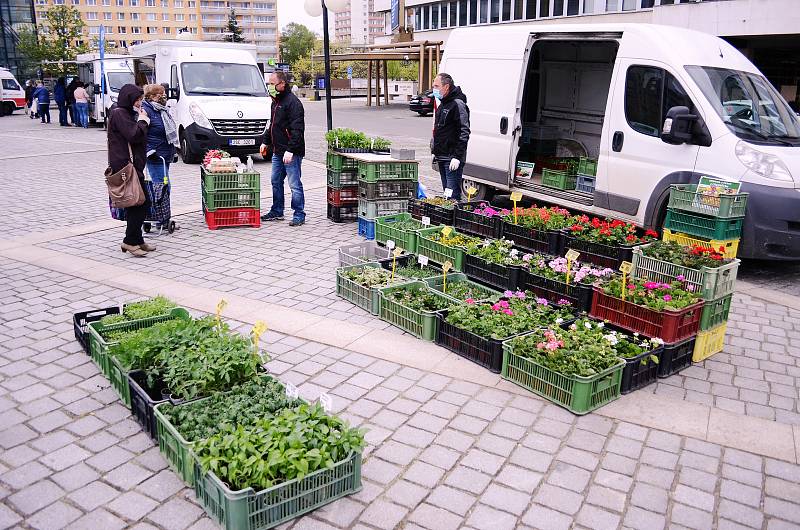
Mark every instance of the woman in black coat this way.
pixel 127 127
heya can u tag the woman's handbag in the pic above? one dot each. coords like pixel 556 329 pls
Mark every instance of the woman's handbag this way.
pixel 124 188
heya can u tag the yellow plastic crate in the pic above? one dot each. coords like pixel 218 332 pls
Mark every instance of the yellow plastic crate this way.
pixel 709 342
pixel 731 246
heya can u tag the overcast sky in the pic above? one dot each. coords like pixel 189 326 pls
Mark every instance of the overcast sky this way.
pixel 294 11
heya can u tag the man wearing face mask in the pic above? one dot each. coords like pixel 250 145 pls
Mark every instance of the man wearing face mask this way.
pixel 450 132
pixel 285 135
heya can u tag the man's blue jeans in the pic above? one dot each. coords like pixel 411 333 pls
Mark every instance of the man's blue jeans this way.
pixel 281 171
pixel 451 179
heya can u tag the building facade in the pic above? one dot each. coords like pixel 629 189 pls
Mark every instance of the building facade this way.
pixel 359 24
pixel 14 15
pixel 130 22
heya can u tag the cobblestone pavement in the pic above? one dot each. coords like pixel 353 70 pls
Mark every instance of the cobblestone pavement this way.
pixel 443 453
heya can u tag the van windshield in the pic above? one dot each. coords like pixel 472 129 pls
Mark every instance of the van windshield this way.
pixel 749 105
pixel 223 79
pixel 116 80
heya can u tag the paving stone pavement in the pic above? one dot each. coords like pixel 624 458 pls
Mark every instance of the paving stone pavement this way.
pixel 442 453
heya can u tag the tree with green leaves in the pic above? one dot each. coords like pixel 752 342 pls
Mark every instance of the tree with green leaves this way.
pixel 296 41
pixel 234 32
pixel 59 38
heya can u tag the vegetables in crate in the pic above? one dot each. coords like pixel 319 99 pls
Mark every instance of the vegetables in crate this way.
pixel 152 307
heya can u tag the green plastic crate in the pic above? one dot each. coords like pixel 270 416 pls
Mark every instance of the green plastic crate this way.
pixel 249 180
pixel 587 166
pixel 437 252
pixel 715 312
pixel 373 209
pixel 175 448
pixel 561 180
pixel 340 162
pixel 577 394
pixel 708 283
pixel 423 325
pixel 704 227
pixel 367 298
pixel 684 197
pixel 99 347
pixel 484 293
pixel 248 509
pixel 214 200
pixel 405 239
pixel 375 171
pixel 339 179
pixel 118 376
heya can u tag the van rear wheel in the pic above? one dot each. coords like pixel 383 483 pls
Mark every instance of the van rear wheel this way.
pixel 483 193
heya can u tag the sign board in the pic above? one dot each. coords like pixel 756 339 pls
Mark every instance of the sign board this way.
pixel 395 14
pixel 283 66
pixel 349 72
pixel 320 83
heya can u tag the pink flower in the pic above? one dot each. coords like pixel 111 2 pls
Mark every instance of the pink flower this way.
pixel 496 307
pixel 563 301
pixel 503 303
pixel 508 294
pixel 541 301
pixel 690 288
pixel 469 301
pixel 651 285
pixel 680 277
pixel 521 295
pixel 508 312
pixel 667 298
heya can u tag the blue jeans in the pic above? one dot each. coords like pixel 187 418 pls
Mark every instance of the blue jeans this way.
pixel 82 113
pixel 281 171
pixel 451 179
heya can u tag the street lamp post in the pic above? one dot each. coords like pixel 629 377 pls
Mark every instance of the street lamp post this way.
pixel 316 8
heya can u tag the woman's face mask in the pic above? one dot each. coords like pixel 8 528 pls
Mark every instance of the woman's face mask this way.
pixel 162 98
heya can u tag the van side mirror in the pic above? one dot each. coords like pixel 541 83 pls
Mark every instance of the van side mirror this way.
pixel 677 127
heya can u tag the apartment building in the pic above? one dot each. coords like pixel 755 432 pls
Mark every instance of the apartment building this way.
pixel 359 24
pixel 130 22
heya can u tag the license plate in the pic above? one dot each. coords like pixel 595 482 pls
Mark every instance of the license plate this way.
pixel 242 141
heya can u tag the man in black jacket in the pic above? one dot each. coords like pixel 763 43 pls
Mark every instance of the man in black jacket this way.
pixel 285 134
pixel 450 132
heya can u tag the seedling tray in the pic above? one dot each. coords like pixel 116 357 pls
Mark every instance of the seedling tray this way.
pixel 118 376
pixel 372 209
pixel 215 200
pixel 416 208
pixel 387 189
pixel 343 196
pixel 360 253
pixel 532 240
pixel 704 227
pixel 561 180
pixel 709 342
pixel 728 247
pixel 684 197
pixel 503 277
pixel 438 252
pixel 468 222
pixel 676 357
pixel 375 171
pixel 343 214
pixel 669 326
pixel 366 228
pixel 576 394
pixel 421 324
pixel 385 230
pixel 411 259
pixel 641 370
pixel 248 509
pixel 599 254
pixel 486 352
pixel 249 180
pixel 578 294
pixel 81 321
pixel 709 283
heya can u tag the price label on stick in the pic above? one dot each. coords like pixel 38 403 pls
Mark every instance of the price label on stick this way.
pixel 422 260
pixel 426 221
pixel 572 256
pixel 625 267
pixel 326 401
pixel 448 193
pixel 472 190
pixel 447 230
pixel 395 253
pixel 445 269
pixel 516 197
pixel 291 391
pixel 390 244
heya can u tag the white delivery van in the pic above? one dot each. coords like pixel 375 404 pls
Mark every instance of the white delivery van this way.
pixel 216 91
pixel 12 94
pixel 118 72
pixel 655 105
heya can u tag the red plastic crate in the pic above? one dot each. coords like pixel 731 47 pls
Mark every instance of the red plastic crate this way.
pixel 343 196
pixel 669 326
pixel 233 217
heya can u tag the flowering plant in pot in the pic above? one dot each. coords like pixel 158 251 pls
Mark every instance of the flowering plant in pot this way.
pixel 609 232
pixel 556 269
pixel 693 257
pixel 499 251
pixel 658 296
pixel 542 218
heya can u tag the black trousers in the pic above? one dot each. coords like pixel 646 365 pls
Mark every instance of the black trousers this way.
pixel 135 217
pixel 44 112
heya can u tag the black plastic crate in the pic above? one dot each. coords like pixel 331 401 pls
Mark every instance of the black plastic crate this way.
pixel 416 208
pixel 579 295
pixel 599 254
pixel 641 370
pixel 502 277
pixel 532 240
pixel 480 350
pixel 343 214
pixel 80 323
pixel 676 357
pixel 467 221
pixel 439 215
pixel 387 189
pixel 144 398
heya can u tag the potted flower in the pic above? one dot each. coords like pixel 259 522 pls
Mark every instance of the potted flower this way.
pixel 707 270
pixel 480 218
pixel 476 330
pixel 550 278
pixel 441 244
pixel 538 228
pixel 413 307
pixel 671 311
pixel 605 242
pixel 494 262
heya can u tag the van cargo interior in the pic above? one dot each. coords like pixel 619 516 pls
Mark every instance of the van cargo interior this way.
pixel 564 101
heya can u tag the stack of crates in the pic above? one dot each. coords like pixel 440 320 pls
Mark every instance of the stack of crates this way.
pixel 587 175
pixel 710 221
pixel 342 187
pixel 231 199
pixel 384 188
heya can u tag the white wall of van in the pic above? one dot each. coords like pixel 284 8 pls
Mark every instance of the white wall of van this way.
pixel 12 93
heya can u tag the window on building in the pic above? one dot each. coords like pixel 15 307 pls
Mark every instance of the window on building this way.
pixel 530 9
pixel 136 30
pixel 108 16
pixel 150 3
pixel 91 16
pixel 453 14
pixel 473 12
pixel 518 7
pixel 178 3
pixel 426 16
pixel 58 2
pixel 94 30
pixel 134 16
pixel 133 3
pixel 507 10
pixel 192 17
pixel 120 3
pixel 120 16
pixel 76 2
pixel 106 2
pixel 462 13
pixel 165 16
pixel 191 3
pixel 123 44
pixel 179 17
pixel 122 29
pixel 495 11
pixel 152 30
pixel 164 3
pixel 91 2
pixel 167 30
pixel 434 18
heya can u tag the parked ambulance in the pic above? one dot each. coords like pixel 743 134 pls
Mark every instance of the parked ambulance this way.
pixel 655 105
pixel 12 94
pixel 216 91
pixel 118 71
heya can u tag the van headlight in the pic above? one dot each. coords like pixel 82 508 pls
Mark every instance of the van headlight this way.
pixel 763 164
pixel 198 116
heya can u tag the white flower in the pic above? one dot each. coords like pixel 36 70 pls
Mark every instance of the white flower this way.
pixel 510 242
pixel 657 341
pixel 514 252
pixel 588 325
pixel 601 324
pixel 559 320
pixel 612 339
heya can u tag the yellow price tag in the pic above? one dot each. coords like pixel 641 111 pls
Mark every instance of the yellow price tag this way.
pixel 626 267
pixel 445 268
pixel 572 255
pixel 447 230
pixel 472 190
pixel 515 197
pixel 258 329
pixel 220 306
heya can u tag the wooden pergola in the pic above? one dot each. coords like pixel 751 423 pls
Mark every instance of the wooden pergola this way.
pixel 427 53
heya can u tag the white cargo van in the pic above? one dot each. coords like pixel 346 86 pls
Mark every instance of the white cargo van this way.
pixel 655 105
pixel 12 94
pixel 118 72
pixel 216 91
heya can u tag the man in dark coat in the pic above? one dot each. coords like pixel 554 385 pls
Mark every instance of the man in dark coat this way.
pixel 285 135
pixel 127 135
pixel 450 132
pixel 71 101
pixel 60 95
